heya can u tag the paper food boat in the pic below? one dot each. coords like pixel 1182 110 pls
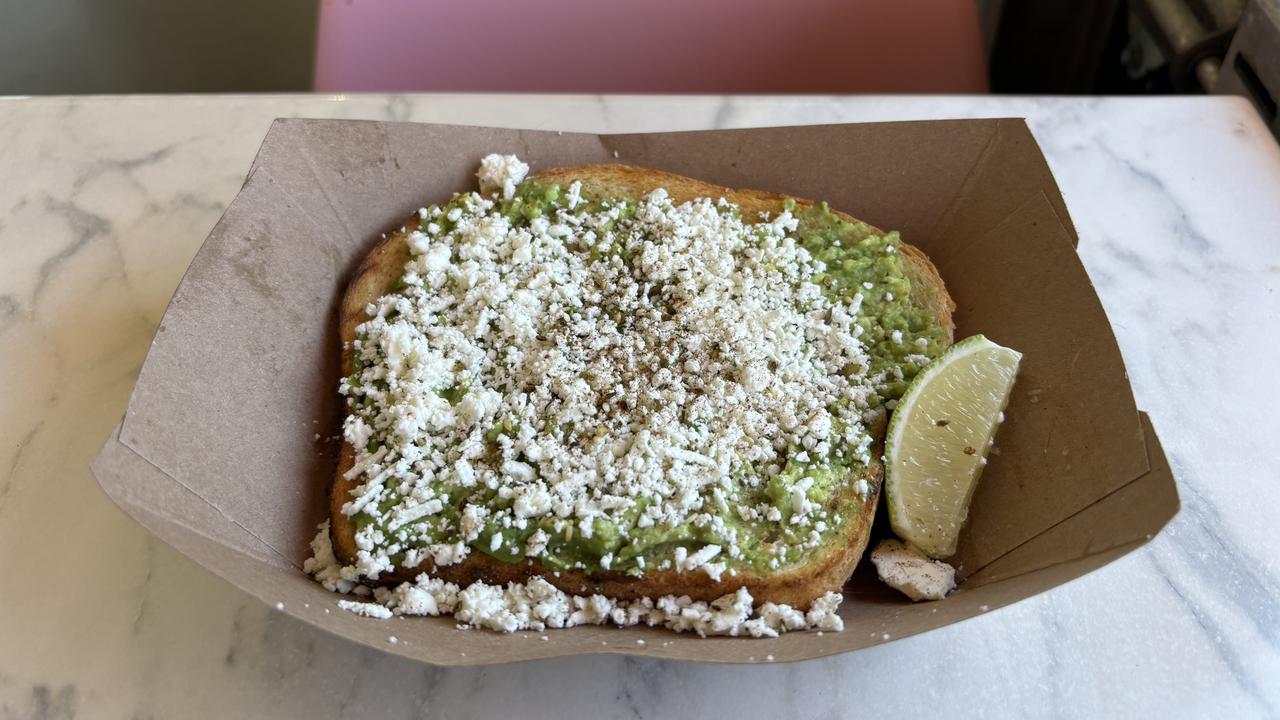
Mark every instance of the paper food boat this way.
pixel 216 454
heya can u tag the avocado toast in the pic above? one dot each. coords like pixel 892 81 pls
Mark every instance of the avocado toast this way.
pixel 788 526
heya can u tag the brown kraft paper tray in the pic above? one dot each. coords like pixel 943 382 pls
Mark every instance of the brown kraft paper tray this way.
pixel 216 454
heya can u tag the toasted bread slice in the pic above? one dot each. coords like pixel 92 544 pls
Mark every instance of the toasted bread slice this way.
pixel 826 569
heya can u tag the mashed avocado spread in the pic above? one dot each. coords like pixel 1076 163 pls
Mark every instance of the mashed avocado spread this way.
pixel 546 381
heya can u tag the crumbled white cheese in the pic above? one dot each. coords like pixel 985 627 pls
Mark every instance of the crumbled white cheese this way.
pixel 823 613
pixel 445 554
pixel 911 571
pixel 537 605
pixel 613 382
pixel 537 543
pixel 323 565
pixel 367 609
pixel 715 570
pixel 501 173
pixel 686 562
pixel 574 194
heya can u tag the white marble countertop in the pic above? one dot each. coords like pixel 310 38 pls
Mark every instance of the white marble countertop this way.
pixel 103 201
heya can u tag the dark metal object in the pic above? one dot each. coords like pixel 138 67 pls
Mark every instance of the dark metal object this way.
pixel 1252 65
pixel 1190 32
pixel 1207 72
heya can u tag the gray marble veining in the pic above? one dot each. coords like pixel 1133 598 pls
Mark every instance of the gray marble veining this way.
pixel 103 202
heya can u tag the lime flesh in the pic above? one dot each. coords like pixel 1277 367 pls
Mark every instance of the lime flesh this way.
pixel 938 439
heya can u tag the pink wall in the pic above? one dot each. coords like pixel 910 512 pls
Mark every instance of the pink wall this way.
pixel 650 46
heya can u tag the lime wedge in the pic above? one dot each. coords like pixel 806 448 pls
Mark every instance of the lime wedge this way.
pixel 938 440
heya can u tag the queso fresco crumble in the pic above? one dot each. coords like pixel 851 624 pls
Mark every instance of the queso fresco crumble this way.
pixel 622 384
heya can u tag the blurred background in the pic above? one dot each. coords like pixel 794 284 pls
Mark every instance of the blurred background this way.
pixel 652 46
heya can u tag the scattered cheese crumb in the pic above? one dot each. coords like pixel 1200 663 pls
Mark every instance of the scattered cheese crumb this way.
pixel 905 568
pixel 367 609
pixel 501 173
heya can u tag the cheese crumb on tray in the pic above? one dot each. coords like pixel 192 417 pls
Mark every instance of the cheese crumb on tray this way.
pixel 918 576
pixel 367 609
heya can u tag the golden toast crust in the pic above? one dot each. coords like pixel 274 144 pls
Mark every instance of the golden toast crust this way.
pixel 828 567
